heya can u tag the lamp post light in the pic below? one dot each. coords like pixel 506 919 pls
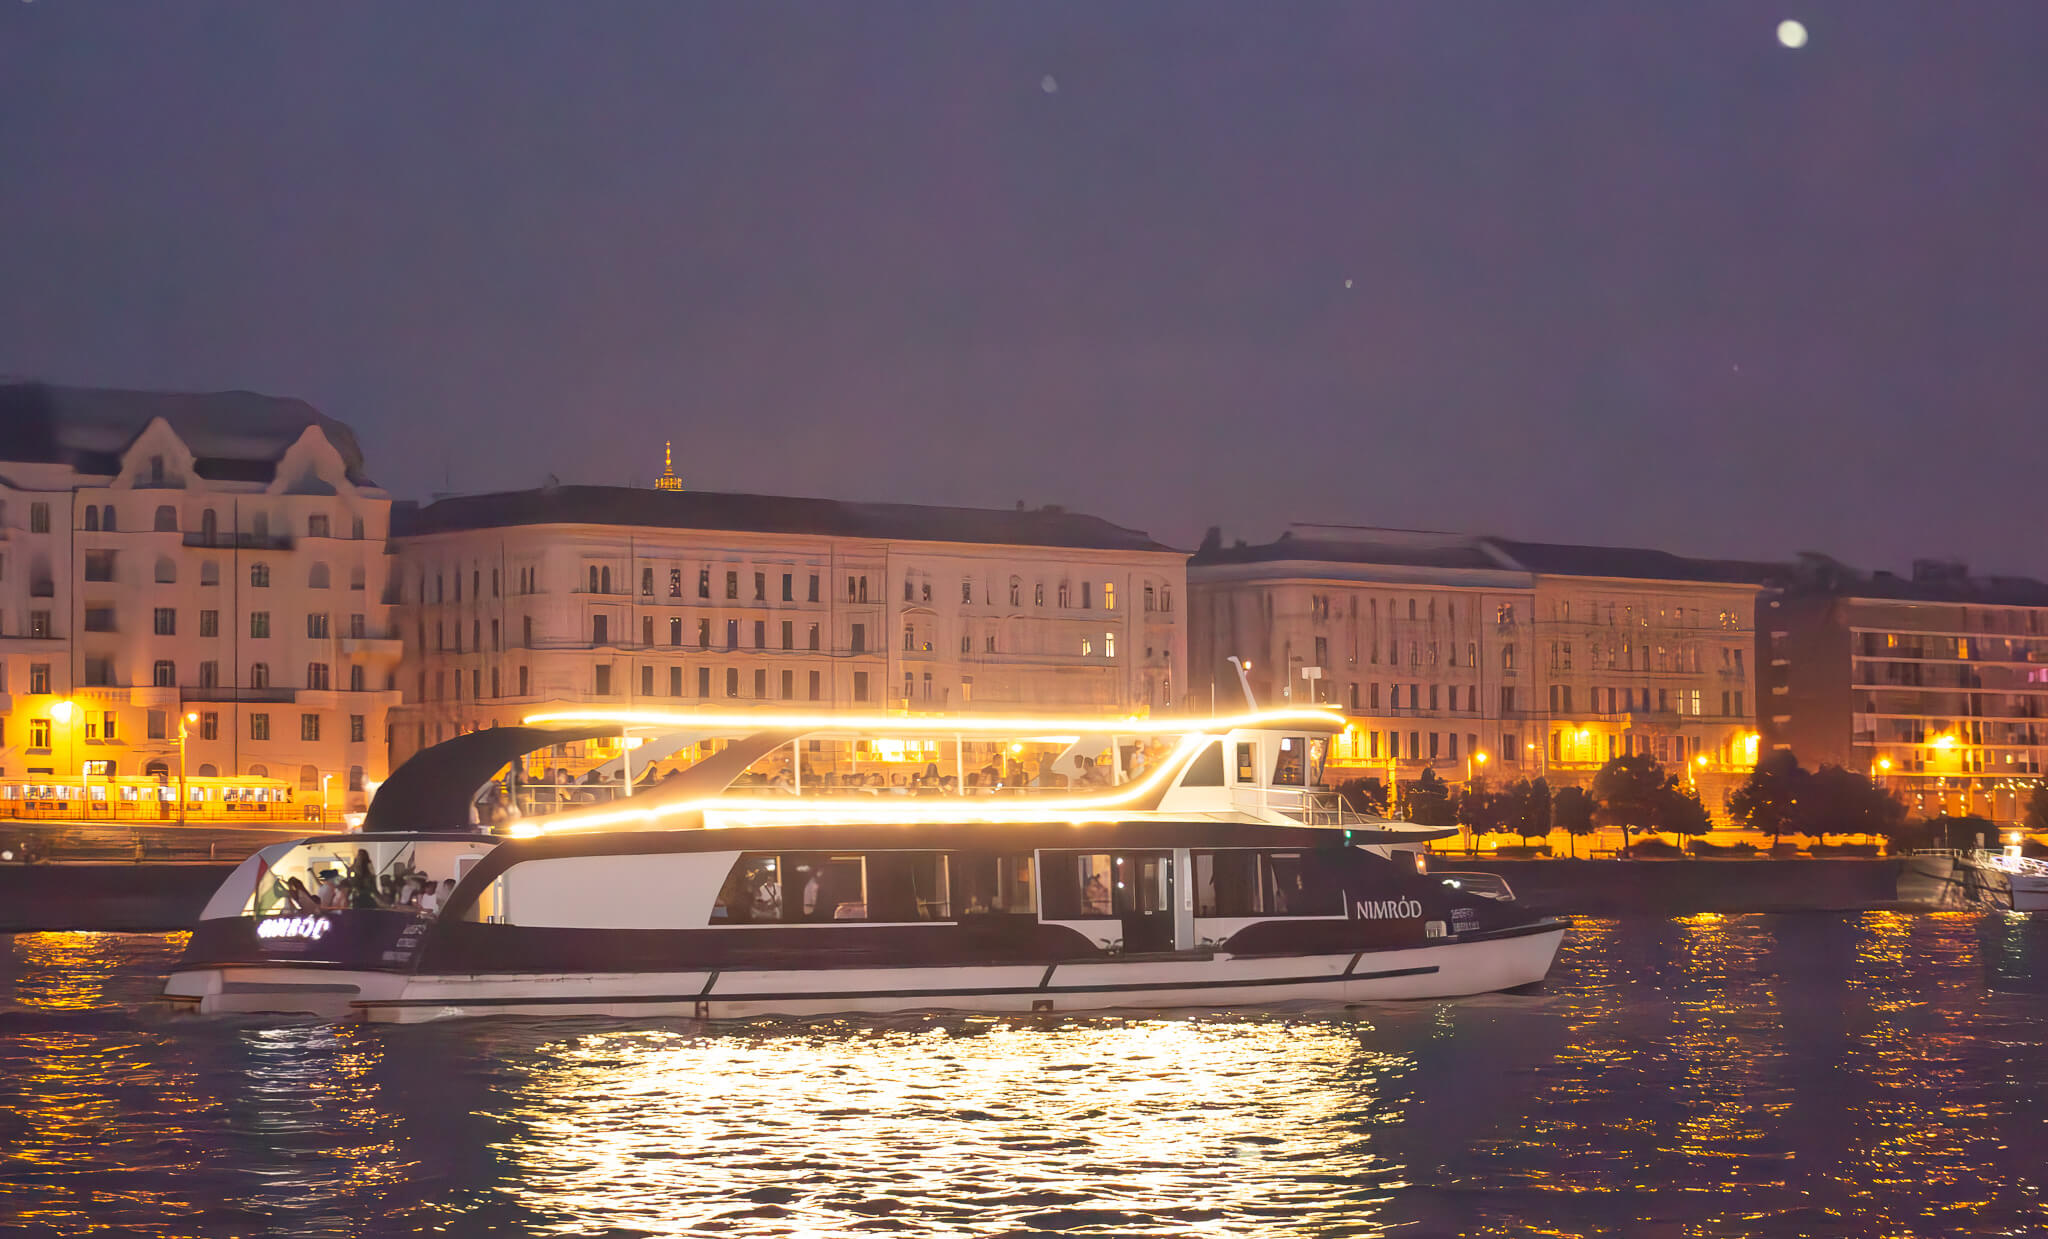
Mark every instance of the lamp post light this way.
pixel 184 725
pixel 325 803
pixel 61 712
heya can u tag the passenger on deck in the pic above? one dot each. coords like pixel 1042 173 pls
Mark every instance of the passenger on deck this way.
pixel 429 898
pixel 329 894
pixel 299 899
pixel 447 891
pixel 362 881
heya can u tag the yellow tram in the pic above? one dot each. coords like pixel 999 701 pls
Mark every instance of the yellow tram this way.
pixel 150 798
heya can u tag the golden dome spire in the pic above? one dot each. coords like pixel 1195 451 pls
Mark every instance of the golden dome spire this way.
pixel 668 479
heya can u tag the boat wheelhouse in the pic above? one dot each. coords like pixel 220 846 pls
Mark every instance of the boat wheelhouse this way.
pixel 1083 866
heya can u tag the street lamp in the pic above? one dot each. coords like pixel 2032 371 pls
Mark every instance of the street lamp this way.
pixel 325 804
pixel 61 712
pixel 184 725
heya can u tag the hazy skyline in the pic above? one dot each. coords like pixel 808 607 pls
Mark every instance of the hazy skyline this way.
pixel 1616 273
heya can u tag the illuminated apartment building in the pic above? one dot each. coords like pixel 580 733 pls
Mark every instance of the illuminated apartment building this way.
pixel 1475 654
pixel 1935 685
pixel 665 598
pixel 165 555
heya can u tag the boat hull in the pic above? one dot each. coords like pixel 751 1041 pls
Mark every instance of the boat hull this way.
pixel 2029 892
pixel 1497 961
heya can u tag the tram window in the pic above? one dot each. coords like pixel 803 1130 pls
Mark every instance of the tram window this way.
pixel 1247 772
pixel 993 884
pixel 909 886
pixel 1079 885
pixel 1287 768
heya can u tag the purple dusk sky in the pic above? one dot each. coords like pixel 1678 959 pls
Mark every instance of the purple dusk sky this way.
pixel 1617 272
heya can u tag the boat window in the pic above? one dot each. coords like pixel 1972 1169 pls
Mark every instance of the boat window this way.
pixel 1318 748
pixel 1250 883
pixel 909 886
pixel 1247 769
pixel 1288 766
pixel 1207 768
pixel 1078 885
pixel 752 892
pixel 993 884
pixel 825 887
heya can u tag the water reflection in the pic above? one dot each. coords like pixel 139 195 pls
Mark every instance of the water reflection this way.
pixel 1871 1074
pixel 977 1125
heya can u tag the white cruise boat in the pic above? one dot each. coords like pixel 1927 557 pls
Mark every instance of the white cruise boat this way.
pixel 809 865
pixel 2026 880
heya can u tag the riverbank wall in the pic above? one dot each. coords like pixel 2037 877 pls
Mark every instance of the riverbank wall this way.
pixel 1685 887
pixel 113 898
pixel 163 897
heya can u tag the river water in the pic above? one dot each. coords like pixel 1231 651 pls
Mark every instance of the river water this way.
pixel 1873 1074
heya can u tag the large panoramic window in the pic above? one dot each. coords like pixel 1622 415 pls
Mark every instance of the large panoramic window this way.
pixel 988 885
pixel 1250 883
pixel 809 887
pixel 1079 885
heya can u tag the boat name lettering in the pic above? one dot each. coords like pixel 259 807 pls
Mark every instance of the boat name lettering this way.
pixel 1386 909
pixel 311 928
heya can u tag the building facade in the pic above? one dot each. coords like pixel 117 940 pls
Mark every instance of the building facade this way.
pixel 1935 685
pixel 575 595
pixel 1472 655
pixel 213 556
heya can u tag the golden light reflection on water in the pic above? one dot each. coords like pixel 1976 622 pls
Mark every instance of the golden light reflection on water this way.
pixel 1702 1076
pixel 985 1125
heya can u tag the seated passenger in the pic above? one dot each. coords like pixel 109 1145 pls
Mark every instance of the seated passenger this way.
pixel 299 899
pixel 428 899
pixel 330 895
pixel 1095 897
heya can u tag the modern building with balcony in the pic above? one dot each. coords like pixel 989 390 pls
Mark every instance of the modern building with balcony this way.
pixel 1936 684
pixel 1480 655
pixel 669 599
pixel 165 555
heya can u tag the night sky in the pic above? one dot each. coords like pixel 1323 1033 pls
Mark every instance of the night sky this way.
pixel 1627 272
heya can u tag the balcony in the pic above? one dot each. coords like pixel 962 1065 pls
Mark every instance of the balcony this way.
pixel 222 693
pixel 241 541
pixel 373 647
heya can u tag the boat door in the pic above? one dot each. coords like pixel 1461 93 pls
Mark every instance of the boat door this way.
pixel 1144 900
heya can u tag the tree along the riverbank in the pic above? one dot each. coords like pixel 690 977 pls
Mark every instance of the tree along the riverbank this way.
pixel 1572 809
pixel 1781 797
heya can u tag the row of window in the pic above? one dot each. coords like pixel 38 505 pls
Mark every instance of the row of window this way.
pixel 1623 700
pixel 101 518
pixel 767 888
pixel 99 567
pixel 102 725
pixel 99 673
pixel 599 581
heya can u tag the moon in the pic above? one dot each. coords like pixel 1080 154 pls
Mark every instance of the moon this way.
pixel 1791 33
pixel 1049 84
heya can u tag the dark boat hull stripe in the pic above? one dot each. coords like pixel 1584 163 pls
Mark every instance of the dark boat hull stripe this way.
pixel 835 995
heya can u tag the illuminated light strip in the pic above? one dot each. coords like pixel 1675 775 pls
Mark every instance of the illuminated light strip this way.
pixel 1073 809
pixel 890 725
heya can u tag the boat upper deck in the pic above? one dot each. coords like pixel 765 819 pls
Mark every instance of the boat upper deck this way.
pixel 663 771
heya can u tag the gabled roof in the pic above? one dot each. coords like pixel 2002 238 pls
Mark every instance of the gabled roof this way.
pixel 713 510
pixel 233 435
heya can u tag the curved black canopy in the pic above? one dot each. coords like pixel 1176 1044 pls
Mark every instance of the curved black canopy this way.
pixel 435 787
